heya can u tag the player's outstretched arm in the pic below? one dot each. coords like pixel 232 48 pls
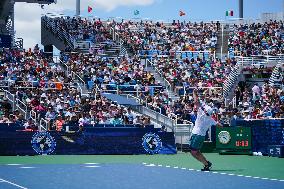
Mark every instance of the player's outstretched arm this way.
pixel 195 98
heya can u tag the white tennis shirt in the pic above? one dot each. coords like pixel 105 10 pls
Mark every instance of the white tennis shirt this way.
pixel 202 123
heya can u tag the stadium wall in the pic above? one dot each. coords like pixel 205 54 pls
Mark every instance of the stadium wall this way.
pixel 93 140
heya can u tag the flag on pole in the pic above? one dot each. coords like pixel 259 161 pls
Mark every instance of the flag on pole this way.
pixel 136 12
pixel 181 13
pixel 90 9
pixel 230 13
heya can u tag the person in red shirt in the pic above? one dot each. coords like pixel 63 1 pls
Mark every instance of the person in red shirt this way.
pixel 59 123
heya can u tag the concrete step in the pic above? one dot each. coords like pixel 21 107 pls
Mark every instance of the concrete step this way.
pixel 160 79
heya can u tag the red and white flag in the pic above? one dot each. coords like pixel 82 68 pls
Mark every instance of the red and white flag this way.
pixel 90 9
pixel 181 13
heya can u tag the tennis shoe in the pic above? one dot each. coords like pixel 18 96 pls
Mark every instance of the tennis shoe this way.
pixel 207 167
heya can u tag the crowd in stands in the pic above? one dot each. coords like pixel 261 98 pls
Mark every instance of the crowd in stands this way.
pixel 260 102
pixel 29 69
pixel 257 38
pixel 31 78
pixel 54 95
pixel 105 71
pixel 195 72
pixel 160 38
pixel 78 28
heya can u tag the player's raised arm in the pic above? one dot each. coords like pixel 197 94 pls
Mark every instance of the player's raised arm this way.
pixel 195 98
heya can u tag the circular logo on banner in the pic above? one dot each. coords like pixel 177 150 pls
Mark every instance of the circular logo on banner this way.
pixel 152 143
pixel 43 143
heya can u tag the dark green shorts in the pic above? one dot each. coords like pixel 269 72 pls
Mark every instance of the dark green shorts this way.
pixel 196 142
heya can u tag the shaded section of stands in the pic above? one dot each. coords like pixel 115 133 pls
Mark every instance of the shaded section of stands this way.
pixel 5 41
pixel 120 99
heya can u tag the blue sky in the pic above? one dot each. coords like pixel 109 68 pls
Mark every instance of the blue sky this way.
pixel 195 9
pixel 27 15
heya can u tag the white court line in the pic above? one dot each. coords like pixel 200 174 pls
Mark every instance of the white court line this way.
pixel 150 165
pixel 14 184
pixel 92 166
pixel 13 164
pixel 230 174
pixel 26 167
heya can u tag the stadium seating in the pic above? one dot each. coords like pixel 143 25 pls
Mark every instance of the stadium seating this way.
pixel 256 39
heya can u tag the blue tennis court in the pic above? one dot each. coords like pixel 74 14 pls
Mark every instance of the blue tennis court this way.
pixel 110 176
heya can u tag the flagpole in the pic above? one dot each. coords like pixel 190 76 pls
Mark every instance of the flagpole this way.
pixel 77 8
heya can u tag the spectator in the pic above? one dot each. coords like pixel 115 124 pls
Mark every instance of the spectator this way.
pixel 30 125
pixel 59 123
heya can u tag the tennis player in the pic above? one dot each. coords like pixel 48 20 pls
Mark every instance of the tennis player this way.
pixel 202 124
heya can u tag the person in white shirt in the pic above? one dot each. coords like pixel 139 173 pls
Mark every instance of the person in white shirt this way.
pixel 202 124
pixel 255 91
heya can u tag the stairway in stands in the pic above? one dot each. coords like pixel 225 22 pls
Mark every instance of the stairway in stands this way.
pixel 222 42
pixel 111 50
pixel 231 82
pixel 159 78
pixel 277 75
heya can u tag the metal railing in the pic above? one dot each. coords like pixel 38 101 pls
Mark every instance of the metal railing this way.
pixel 258 60
pixel 173 54
pixel 170 123
pixel 6 83
pixel 143 102
pixel 22 107
pixel 277 75
pixel 165 81
pixel 60 33
pixel 118 89
pixel 31 84
pixel 43 125
pixel 33 115
pixel 19 43
pixel 232 79
pixel 82 45
pixel 185 88
pixel 57 60
pixel 11 98
pixel 79 83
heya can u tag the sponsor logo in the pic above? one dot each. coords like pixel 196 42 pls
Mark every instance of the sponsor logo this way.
pixel 43 143
pixel 152 143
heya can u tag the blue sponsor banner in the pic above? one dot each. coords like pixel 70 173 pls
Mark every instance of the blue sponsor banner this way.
pixel 93 140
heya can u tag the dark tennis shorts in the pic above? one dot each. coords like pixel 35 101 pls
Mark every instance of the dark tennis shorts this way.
pixel 196 142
